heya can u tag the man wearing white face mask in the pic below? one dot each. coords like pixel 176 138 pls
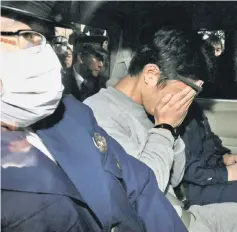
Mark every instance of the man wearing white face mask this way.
pixel 66 173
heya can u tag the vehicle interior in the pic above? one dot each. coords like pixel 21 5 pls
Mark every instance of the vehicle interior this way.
pixel 125 21
pixel 129 24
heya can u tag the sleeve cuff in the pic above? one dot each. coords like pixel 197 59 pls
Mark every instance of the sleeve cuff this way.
pixel 164 136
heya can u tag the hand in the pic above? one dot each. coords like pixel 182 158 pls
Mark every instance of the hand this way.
pixel 173 109
pixel 232 172
pixel 229 159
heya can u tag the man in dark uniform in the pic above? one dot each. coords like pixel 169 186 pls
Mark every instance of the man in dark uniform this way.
pixel 89 72
pixel 60 170
pixel 84 79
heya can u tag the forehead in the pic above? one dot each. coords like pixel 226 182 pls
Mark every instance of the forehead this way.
pixel 217 46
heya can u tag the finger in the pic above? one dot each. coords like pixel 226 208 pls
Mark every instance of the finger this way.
pixel 164 101
pixel 181 102
pixel 186 106
pixel 178 97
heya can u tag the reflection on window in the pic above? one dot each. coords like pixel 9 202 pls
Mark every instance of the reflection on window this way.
pixel 214 38
pixel 216 76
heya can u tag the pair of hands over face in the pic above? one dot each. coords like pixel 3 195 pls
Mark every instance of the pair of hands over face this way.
pixel 173 106
pixel 172 109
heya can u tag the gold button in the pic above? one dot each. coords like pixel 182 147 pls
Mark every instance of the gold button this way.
pixel 100 142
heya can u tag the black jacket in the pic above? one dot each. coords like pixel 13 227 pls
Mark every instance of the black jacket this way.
pixel 204 156
pixel 89 87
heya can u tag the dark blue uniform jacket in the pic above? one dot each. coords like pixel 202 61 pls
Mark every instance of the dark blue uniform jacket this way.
pixel 88 190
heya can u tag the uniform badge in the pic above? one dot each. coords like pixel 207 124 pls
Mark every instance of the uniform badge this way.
pixel 100 142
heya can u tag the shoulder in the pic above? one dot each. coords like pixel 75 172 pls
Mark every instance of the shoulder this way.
pixel 74 106
pixel 100 98
pixel 102 104
pixel 108 113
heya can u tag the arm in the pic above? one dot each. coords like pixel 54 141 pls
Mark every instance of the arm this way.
pixel 179 162
pixel 158 153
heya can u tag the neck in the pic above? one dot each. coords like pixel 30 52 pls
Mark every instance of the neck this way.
pixel 130 87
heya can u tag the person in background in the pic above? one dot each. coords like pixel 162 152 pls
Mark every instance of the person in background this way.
pixel 63 51
pixel 217 81
pixel 68 59
pixel 105 44
pixel 98 41
pixel 216 43
pixel 85 77
pixel 59 44
pixel 212 87
pixel 163 80
pixel 59 170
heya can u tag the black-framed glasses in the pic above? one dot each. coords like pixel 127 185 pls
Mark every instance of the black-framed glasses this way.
pixel 27 39
pixel 196 88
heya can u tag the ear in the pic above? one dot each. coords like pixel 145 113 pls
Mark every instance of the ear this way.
pixel 79 59
pixel 151 75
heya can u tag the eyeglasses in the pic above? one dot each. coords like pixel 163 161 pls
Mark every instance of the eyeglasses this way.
pixel 196 88
pixel 26 39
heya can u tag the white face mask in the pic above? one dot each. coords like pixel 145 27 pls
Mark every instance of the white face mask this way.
pixel 31 86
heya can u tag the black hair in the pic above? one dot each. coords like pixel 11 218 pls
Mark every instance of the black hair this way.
pixel 45 28
pixel 208 52
pixel 214 40
pixel 175 52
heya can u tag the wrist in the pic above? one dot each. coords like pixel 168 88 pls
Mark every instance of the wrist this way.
pixel 169 128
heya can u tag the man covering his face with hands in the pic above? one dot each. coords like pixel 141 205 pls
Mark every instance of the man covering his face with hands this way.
pixel 163 79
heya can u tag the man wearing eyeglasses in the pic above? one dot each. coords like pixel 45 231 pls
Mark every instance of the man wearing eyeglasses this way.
pixel 163 80
pixel 59 170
